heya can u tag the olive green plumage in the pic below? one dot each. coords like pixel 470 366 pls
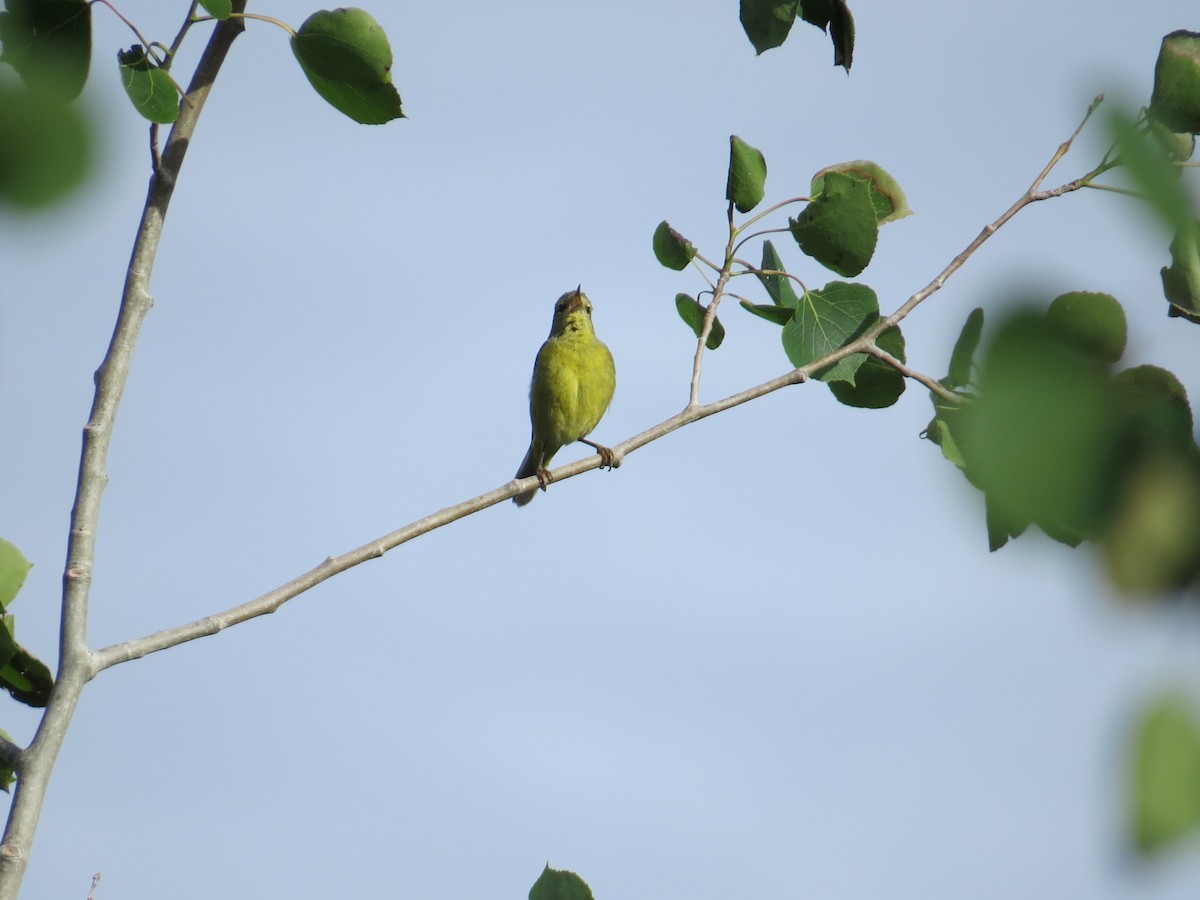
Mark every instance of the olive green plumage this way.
pixel 573 383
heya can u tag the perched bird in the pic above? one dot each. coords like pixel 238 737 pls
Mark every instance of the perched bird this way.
pixel 573 383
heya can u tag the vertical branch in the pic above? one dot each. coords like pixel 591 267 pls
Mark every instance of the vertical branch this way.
pixel 75 665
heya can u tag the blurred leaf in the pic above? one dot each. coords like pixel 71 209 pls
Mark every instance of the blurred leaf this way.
pixel 49 42
pixel 13 569
pixel 767 22
pixel 747 178
pixel 692 312
pixel 1178 146
pixel 671 248
pixel 1154 174
pixel 25 677
pixel 45 148
pixel 1092 323
pixel 559 884
pixel 1152 542
pixel 1166 773
pixel 779 287
pixel 218 9
pixel 827 320
pixel 1181 280
pixel 780 315
pixel 1041 440
pixel 962 359
pixel 939 432
pixel 149 87
pixel 838 228
pixel 876 383
pixel 346 56
pixel 1154 404
pixel 1001 525
pixel 1175 100
pixel 887 197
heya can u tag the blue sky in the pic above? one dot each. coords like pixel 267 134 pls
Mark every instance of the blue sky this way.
pixel 768 656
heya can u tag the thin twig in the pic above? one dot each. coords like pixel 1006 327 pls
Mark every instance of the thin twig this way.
pixel 932 383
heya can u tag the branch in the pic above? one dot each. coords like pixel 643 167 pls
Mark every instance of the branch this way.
pixel 693 412
pixel 75 665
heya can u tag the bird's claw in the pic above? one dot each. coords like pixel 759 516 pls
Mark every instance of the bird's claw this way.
pixel 544 478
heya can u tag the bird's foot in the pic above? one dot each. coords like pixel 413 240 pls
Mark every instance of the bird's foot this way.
pixel 608 459
pixel 544 477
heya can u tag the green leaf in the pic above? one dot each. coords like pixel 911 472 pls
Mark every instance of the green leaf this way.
pixel 1001 525
pixel 1152 542
pixel 45 148
pixel 747 175
pixel 346 56
pixel 692 312
pixel 1154 406
pixel 779 287
pixel 13 569
pixel 1166 773
pixel 1178 146
pixel 838 228
pixel 1181 280
pixel 149 87
pixel 1175 100
pixel 1092 323
pixel 939 432
pixel 559 884
pixel 827 320
pixel 817 12
pixel 767 22
pixel 25 677
pixel 841 32
pixel 780 315
pixel 962 359
pixel 1152 171
pixel 887 197
pixel 671 248
pixel 49 42
pixel 876 383
pixel 1042 438
pixel 7 774
pixel 218 9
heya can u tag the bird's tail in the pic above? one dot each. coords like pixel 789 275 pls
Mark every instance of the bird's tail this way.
pixel 529 466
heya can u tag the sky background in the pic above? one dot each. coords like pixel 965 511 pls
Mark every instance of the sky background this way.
pixel 768 656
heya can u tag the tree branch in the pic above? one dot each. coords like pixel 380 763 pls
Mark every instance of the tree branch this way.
pixel 693 412
pixel 75 666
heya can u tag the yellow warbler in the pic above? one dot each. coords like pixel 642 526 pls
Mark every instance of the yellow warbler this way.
pixel 573 383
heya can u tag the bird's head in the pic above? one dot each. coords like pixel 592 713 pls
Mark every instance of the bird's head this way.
pixel 572 312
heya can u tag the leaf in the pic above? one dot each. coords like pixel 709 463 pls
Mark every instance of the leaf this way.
pixel 692 311
pixel 1154 408
pixel 779 287
pixel 218 9
pixel 780 315
pixel 962 359
pixel 1175 100
pixel 841 32
pixel 1152 542
pixel 346 56
pixel 1092 323
pixel 45 148
pixel 1166 773
pixel 27 678
pixel 149 87
pixel 747 175
pixel 767 22
pixel 1181 280
pixel 827 320
pixel 7 774
pixel 49 42
pixel 817 12
pixel 838 228
pixel 1042 439
pixel 671 248
pixel 887 197
pixel 876 383
pixel 1152 171
pixel 14 567
pixel 559 884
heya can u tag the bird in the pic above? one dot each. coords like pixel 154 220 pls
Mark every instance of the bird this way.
pixel 573 383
